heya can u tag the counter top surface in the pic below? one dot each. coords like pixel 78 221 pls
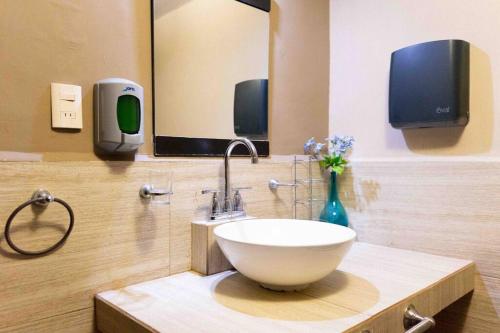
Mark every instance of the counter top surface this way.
pixel 371 282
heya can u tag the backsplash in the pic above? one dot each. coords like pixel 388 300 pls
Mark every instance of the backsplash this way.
pixel 118 239
pixel 440 207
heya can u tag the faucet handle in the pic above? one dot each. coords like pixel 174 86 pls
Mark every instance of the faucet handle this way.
pixel 237 189
pixel 237 199
pixel 208 191
pixel 216 208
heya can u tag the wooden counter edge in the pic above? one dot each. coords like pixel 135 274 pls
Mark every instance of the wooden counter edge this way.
pixel 428 302
pixel 111 319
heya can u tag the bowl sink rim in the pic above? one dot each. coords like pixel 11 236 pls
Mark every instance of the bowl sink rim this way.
pixel 350 237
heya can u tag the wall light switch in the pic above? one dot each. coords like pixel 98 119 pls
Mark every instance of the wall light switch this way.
pixel 66 106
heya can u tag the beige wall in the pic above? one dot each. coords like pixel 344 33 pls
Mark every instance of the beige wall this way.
pixel 363 35
pixel 299 77
pixel 202 50
pixel 67 41
pixel 80 42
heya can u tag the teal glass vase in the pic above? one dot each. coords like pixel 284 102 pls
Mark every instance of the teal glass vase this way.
pixel 334 211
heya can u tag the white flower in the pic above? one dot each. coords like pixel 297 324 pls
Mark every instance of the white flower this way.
pixel 318 148
pixel 340 145
pixel 309 146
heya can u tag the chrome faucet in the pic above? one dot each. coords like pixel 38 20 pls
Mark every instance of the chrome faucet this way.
pixel 232 206
pixel 228 202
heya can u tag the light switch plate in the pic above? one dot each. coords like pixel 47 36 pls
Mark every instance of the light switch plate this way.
pixel 66 106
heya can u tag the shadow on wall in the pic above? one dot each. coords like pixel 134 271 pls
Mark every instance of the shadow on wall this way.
pixel 452 319
pixel 359 195
pixel 477 136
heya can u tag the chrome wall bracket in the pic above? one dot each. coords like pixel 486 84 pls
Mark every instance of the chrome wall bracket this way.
pixel 414 322
pixel 148 192
pixel 275 184
pixel 42 198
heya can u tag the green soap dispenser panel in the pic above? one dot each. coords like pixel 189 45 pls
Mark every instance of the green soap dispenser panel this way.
pixel 129 114
pixel 118 115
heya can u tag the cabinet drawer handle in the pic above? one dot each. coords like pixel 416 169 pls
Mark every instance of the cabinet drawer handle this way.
pixel 415 322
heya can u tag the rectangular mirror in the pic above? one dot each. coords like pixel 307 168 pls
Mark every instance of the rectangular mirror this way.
pixel 210 75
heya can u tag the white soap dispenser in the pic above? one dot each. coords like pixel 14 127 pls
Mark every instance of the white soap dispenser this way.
pixel 118 115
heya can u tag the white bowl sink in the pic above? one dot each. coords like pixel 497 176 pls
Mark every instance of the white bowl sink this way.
pixel 284 254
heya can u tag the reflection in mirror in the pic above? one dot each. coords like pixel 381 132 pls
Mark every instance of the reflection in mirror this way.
pixel 210 74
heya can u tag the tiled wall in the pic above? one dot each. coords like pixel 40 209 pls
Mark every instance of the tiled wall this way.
pixel 117 240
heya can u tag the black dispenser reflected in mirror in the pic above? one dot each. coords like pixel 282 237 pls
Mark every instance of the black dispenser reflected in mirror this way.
pixel 429 85
pixel 250 109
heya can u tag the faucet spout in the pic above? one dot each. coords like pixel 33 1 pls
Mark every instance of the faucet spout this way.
pixel 227 174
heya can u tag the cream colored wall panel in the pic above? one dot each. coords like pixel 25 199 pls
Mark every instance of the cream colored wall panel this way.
pixel 363 36
pixel 117 239
pixel 80 321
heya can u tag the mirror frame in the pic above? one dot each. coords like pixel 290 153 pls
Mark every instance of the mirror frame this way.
pixel 172 146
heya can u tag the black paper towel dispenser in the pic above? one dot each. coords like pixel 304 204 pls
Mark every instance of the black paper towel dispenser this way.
pixel 250 109
pixel 429 85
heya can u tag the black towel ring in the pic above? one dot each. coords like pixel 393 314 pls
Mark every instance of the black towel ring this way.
pixel 41 198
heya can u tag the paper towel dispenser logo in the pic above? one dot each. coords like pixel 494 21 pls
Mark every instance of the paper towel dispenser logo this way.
pixel 443 109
